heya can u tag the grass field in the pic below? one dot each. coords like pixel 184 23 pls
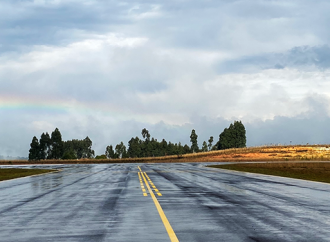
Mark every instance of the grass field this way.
pixel 11 173
pixel 313 171
pixel 262 153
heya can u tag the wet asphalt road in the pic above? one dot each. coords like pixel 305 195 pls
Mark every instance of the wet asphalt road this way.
pixel 106 203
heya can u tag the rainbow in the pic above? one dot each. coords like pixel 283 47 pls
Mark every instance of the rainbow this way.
pixel 54 105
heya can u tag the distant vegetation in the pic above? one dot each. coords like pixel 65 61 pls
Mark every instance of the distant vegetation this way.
pixel 52 147
pixel 232 137
pixel 12 157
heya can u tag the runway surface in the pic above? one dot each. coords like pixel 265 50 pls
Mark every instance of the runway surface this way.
pixel 118 202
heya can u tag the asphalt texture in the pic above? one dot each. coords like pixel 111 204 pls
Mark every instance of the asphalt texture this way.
pixel 107 203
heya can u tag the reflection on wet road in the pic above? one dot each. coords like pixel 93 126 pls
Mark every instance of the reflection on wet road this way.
pixel 114 202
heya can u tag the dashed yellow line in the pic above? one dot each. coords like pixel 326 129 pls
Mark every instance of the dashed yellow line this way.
pixel 162 215
pixel 142 186
pixel 152 184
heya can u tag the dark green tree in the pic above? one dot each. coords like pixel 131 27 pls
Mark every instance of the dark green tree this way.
pixel 109 152
pixel 87 148
pixel 233 137
pixel 134 147
pixel 170 148
pixel 226 139
pixel 34 151
pixel 73 146
pixel 146 146
pixel 154 147
pixel 193 140
pixel 56 145
pixel 81 148
pixel 69 155
pixel 210 142
pixel 180 149
pixel 186 149
pixel 45 144
pixel 215 146
pixel 100 157
pixel 204 147
pixel 145 134
pixel 120 150
pixel 163 148
pixel 240 134
pixel 124 154
pixel 149 147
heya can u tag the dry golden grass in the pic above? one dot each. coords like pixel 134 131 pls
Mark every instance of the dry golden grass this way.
pixel 266 153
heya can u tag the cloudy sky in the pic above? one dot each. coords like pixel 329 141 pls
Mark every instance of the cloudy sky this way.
pixel 108 69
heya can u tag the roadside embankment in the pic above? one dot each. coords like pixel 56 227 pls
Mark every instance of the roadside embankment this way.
pixel 266 153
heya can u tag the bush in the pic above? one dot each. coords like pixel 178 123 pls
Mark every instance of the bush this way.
pixel 69 155
pixel 101 157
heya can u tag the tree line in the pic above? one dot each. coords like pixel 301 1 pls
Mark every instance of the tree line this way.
pixel 232 137
pixel 52 147
pixel 146 147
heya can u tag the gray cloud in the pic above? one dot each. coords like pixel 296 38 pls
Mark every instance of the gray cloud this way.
pixel 107 69
pixel 221 25
pixel 285 130
pixel 30 23
pixel 309 127
pixel 302 57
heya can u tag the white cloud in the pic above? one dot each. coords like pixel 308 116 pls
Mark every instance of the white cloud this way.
pixel 139 13
pixel 129 68
pixel 42 126
pixel 108 69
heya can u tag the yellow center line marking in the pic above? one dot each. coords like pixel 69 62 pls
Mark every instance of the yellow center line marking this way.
pixel 142 186
pixel 162 215
pixel 152 184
